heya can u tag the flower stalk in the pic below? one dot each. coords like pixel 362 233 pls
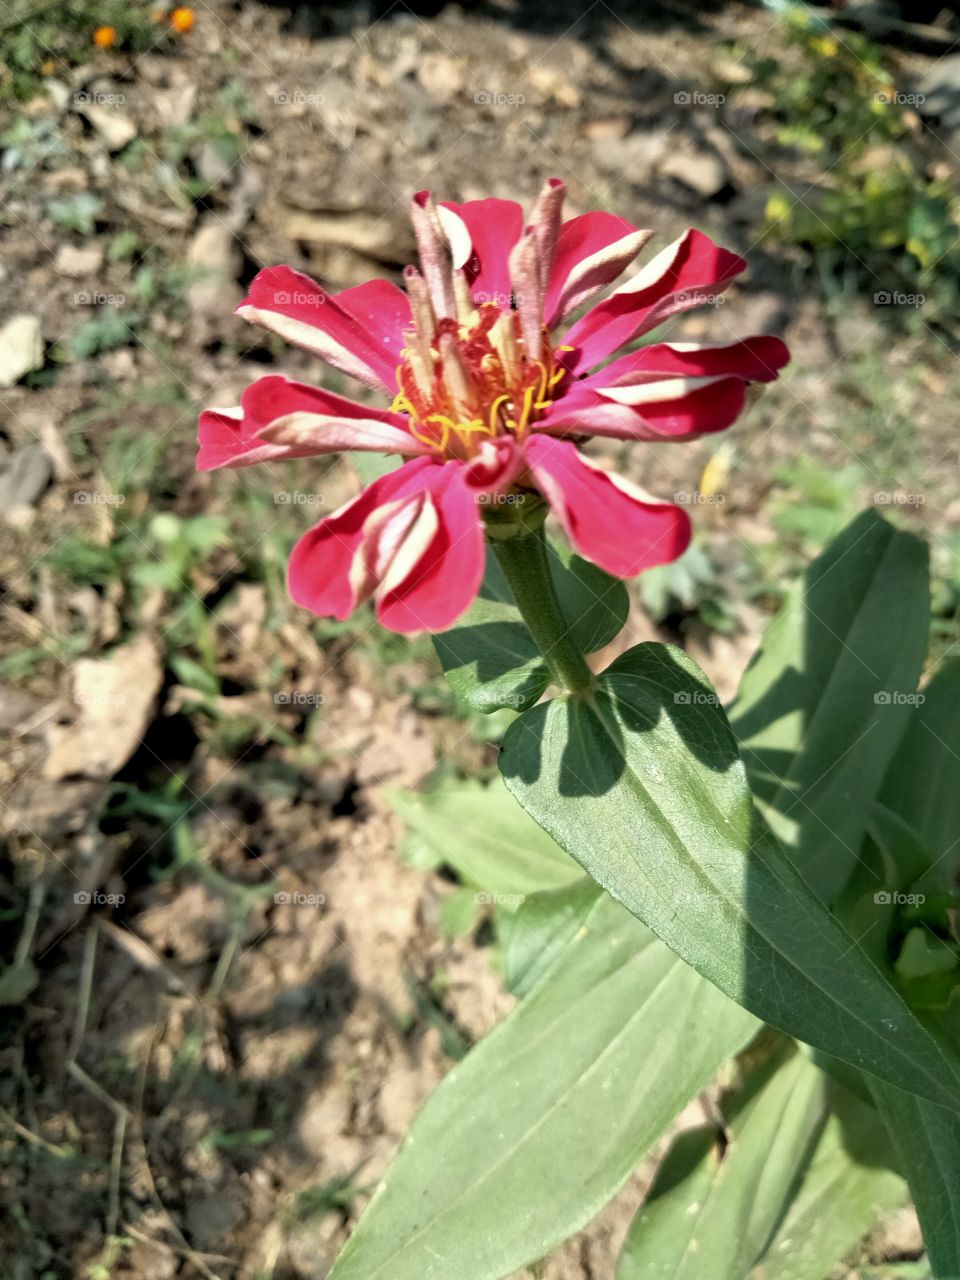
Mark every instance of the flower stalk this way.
pixel 525 564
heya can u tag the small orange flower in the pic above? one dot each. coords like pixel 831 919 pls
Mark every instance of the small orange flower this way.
pixel 182 19
pixel 105 37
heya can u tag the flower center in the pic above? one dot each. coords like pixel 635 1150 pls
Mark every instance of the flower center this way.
pixel 464 381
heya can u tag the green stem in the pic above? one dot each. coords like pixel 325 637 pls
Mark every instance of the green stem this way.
pixel 526 568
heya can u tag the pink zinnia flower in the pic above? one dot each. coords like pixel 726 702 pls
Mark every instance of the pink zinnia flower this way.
pixel 487 401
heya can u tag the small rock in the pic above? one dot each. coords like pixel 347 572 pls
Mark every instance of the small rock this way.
pixel 554 85
pixel 634 156
pixel 115 698
pixel 16 708
pixel 58 93
pixel 617 127
pixel 897 1236
pixel 940 88
pixel 24 478
pixel 441 76
pixel 78 262
pixel 21 348
pixel 211 165
pixel 705 174
pixel 214 255
pixel 115 129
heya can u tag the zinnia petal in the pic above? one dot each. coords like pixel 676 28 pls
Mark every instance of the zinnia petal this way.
pixel 493 227
pixel 667 390
pixel 412 540
pixel 359 331
pixel 691 271
pixel 280 419
pixel 607 519
pixel 675 409
pixel 592 250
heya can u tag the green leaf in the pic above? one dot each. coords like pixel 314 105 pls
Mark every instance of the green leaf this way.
pixel 709 1216
pixel 642 784
pixel 923 782
pixel 545 924
pixel 823 705
pixel 804 1165
pixel 526 1139
pixel 458 912
pixel 483 834
pixel 846 1186
pixel 490 658
pixel 17 981
pixel 927 1142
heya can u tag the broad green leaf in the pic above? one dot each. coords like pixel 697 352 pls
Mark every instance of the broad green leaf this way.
pixel 847 1184
pixel 528 1137
pixel 483 834
pixel 709 1216
pixel 923 782
pixel 539 931
pixel 641 783
pixel 490 658
pixel 823 705
pixel 927 1142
